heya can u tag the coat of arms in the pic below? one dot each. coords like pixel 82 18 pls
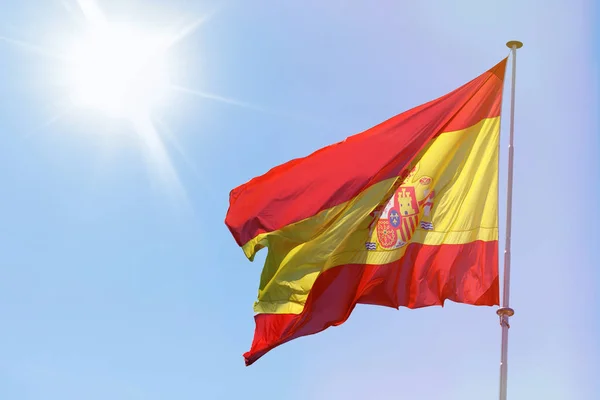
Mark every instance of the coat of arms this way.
pixel 407 210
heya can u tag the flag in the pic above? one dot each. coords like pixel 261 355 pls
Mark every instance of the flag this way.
pixel 402 214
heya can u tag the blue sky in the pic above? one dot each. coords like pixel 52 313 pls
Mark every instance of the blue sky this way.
pixel 119 280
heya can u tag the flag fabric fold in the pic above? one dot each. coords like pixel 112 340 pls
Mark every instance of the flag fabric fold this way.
pixel 402 214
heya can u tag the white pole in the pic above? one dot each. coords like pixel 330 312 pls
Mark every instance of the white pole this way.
pixel 505 312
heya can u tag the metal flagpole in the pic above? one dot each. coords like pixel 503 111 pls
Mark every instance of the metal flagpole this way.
pixel 505 312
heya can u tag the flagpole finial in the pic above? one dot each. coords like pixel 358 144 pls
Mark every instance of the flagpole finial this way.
pixel 514 43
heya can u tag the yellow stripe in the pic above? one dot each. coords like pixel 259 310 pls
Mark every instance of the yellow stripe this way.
pixel 462 168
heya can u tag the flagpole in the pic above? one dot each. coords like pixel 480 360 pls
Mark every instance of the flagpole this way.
pixel 505 312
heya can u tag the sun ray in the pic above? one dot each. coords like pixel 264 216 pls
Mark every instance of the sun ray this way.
pixel 215 97
pixel 188 30
pixel 167 134
pixel 238 103
pixel 73 13
pixel 53 119
pixel 173 141
pixel 158 158
pixel 92 11
pixel 33 48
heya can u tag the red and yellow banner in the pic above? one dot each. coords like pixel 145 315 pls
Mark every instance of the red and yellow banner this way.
pixel 403 214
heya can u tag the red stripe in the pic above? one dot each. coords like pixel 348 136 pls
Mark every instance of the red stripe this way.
pixel 339 172
pixel 405 230
pixel 425 276
pixel 413 225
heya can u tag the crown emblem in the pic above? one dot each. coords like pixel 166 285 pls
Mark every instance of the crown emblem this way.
pixel 406 202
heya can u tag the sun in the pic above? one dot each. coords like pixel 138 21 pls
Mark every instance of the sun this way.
pixel 118 70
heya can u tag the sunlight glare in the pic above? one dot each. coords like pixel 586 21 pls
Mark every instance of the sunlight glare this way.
pixel 118 70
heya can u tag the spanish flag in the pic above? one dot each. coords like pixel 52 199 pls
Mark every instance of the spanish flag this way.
pixel 402 214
